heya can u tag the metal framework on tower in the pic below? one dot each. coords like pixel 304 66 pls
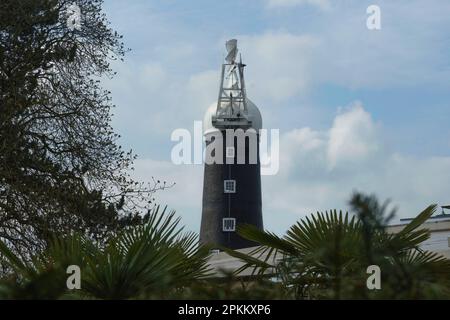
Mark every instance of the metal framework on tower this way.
pixel 232 102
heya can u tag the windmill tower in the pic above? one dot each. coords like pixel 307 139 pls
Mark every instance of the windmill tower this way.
pixel 232 181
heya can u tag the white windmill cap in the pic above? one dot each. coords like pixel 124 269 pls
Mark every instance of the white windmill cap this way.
pixel 253 115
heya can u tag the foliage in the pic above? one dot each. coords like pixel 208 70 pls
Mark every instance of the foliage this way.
pixel 61 168
pixel 326 256
pixel 143 261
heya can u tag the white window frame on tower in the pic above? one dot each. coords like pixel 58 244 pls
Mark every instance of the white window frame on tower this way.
pixel 229 152
pixel 229 224
pixel 229 186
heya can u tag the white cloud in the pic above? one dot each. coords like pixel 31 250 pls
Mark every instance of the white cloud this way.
pixel 319 170
pixel 167 82
pixel 338 49
pixel 407 51
pixel 352 137
pixel 279 64
pixel 154 101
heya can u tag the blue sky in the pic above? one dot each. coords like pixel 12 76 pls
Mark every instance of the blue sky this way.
pixel 357 109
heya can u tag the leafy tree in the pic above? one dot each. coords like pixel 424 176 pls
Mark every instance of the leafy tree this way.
pixel 327 255
pixel 61 168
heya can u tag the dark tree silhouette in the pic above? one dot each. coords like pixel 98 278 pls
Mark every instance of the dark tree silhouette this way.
pixel 61 168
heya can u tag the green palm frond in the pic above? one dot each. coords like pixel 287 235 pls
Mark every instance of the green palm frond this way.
pixel 410 237
pixel 142 261
pixel 311 239
pixel 146 260
pixel 326 254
